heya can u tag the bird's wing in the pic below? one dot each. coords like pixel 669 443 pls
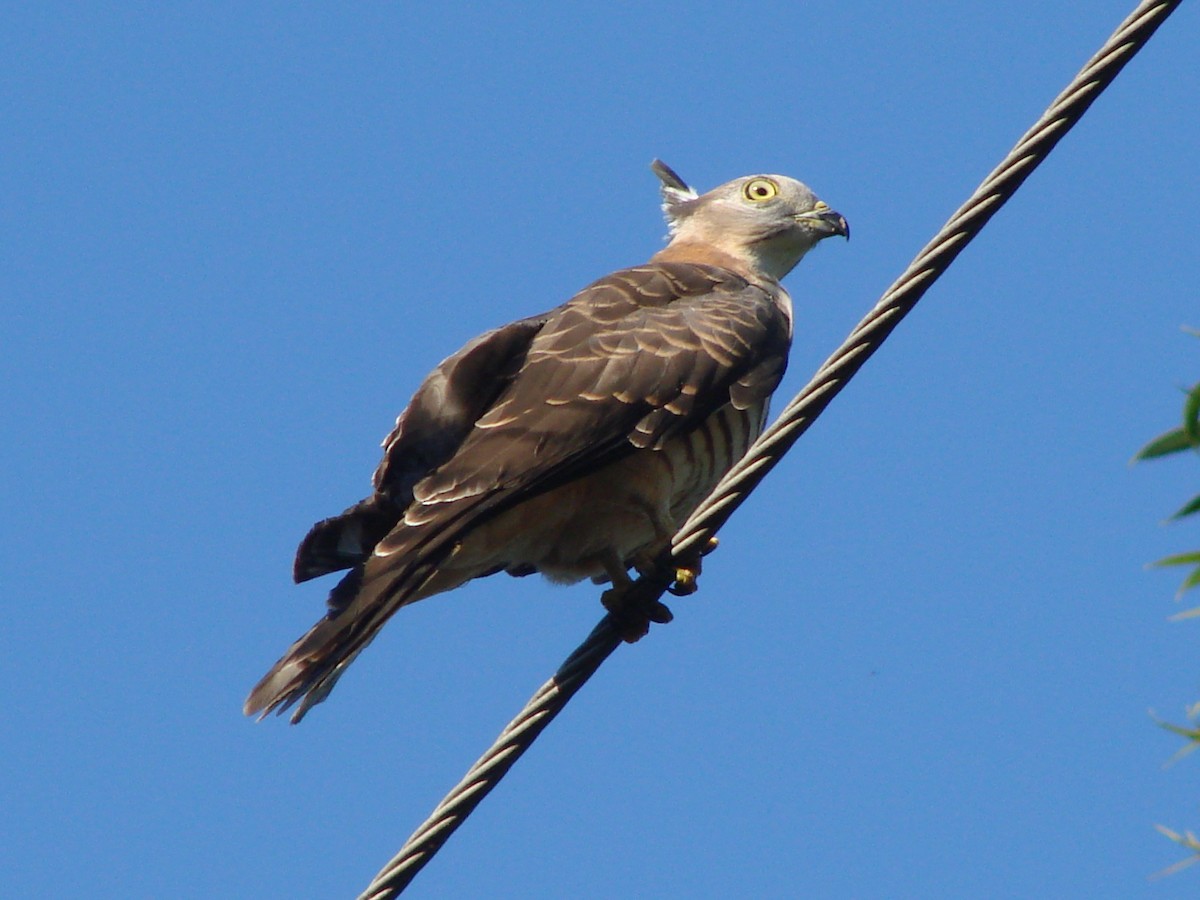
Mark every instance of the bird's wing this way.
pixel 643 354
pixel 639 356
pixel 440 415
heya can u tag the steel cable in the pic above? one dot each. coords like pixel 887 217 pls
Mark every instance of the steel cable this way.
pixel 793 421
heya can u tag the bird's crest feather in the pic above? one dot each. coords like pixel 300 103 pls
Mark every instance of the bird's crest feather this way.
pixel 676 193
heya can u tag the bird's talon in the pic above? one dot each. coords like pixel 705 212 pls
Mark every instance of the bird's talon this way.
pixel 709 546
pixel 658 613
pixel 634 615
pixel 685 582
pixel 611 600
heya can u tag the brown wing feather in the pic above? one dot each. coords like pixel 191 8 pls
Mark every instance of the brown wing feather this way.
pixel 440 415
pixel 641 355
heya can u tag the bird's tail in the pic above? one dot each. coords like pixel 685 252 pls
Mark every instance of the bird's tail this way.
pixel 311 667
pixel 413 562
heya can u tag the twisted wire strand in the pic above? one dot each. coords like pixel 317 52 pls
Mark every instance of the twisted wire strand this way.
pixel 487 771
pixel 793 421
pixel 934 258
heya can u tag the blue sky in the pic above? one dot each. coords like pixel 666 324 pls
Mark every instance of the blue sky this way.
pixel 236 236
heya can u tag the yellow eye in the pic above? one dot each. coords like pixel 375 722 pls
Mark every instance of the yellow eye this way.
pixel 759 190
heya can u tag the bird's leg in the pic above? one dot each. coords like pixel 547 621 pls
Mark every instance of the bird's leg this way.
pixel 632 608
pixel 650 562
pixel 616 571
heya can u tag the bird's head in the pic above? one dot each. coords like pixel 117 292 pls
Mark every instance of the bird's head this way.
pixel 765 222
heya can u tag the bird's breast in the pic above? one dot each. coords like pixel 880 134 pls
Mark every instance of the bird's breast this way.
pixel 627 510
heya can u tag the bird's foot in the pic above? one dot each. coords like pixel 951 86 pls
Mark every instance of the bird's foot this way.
pixel 633 609
pixel 684 582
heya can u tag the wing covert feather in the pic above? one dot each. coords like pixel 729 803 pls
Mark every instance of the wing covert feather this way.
pixel 640 355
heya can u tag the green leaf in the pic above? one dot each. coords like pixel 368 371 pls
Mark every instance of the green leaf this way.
pixel 1192 734
pixel 1191 415
pixel 1188 841
pixel 1191 581
pixel 1179 559
pixel 1192 506
pixel 1192 613
pixel 1172 441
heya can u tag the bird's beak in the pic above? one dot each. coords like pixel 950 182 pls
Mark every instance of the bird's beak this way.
pixel 827 220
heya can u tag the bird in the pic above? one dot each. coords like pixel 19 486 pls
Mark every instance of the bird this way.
pixel 570 443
